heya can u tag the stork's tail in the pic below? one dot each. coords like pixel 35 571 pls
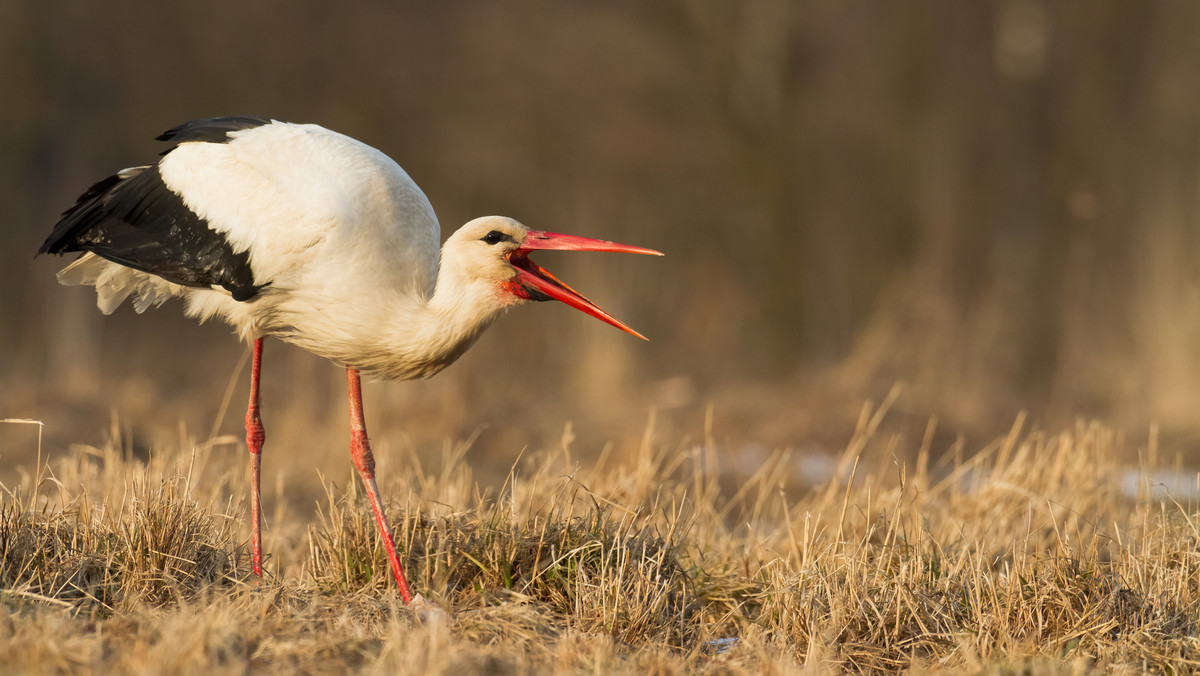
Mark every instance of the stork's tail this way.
pixel 114 283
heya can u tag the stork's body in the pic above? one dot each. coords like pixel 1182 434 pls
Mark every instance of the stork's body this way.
pixel 302 233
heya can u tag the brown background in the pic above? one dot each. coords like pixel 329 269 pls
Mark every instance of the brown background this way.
pixel 994 203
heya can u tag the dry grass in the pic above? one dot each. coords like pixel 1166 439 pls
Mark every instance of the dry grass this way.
pixel 1025 556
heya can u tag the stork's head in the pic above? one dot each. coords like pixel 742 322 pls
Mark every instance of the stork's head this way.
pixel 496 250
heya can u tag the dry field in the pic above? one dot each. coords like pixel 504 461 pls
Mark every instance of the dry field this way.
pixel 1028 555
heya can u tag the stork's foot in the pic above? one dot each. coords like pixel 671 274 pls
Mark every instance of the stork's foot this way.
pixel 428 612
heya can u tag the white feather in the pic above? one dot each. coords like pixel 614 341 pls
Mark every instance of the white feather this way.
pixel 281 189
pixel 114 283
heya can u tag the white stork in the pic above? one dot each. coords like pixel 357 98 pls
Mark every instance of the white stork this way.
pixel 301 233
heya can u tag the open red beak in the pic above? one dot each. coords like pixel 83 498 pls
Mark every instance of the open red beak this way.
pixel 536 283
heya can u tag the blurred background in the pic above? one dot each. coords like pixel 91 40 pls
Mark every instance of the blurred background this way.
pixel 995 204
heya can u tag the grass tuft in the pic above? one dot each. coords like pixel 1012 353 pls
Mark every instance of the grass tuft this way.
pixel 598 571
pixel 153 547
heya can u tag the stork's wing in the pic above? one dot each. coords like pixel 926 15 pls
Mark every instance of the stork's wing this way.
pixel 134 219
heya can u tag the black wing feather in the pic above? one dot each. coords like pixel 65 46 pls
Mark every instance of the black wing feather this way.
pixel 134 219
pixel 210 129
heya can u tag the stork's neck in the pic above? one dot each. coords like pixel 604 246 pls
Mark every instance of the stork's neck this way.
pixel 428 336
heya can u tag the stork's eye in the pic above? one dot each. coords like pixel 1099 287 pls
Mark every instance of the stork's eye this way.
pixel 495 237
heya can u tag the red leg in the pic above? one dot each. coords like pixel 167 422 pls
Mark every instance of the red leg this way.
pixel 360 453
pixel 255 436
